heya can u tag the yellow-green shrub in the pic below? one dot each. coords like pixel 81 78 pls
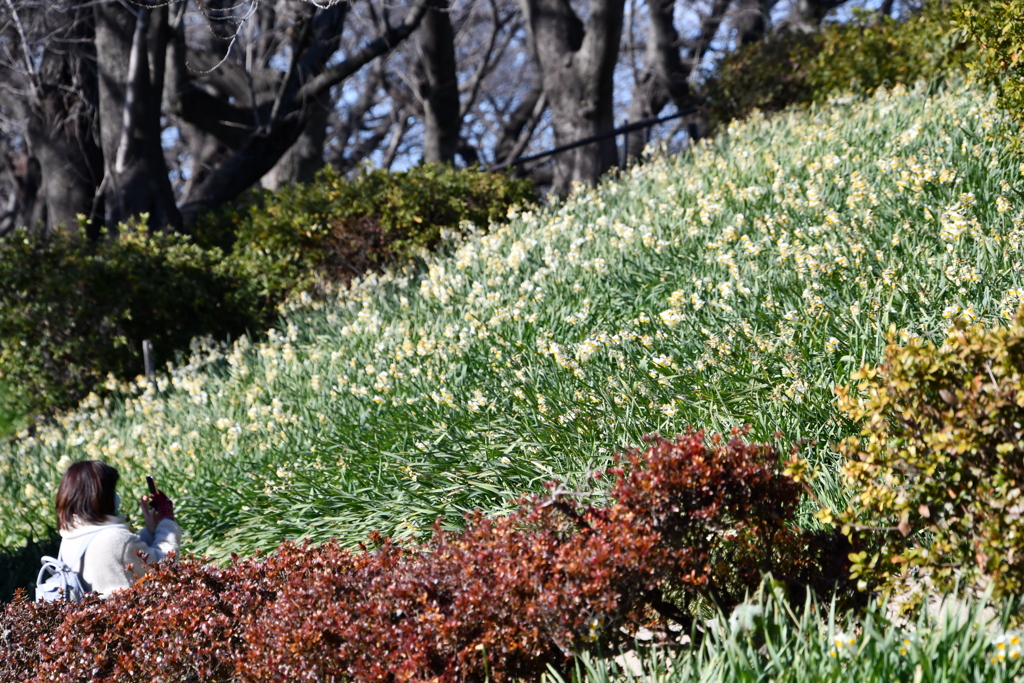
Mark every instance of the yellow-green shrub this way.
pixel 937 469
pixel 996 27
pixel 867 52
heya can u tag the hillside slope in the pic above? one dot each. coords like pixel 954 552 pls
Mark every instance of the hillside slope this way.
pixel 736 284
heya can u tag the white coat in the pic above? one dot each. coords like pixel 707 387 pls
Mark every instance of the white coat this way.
pixel 110 562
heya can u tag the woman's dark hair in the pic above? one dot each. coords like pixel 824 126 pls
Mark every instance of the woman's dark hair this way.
pixel 86 493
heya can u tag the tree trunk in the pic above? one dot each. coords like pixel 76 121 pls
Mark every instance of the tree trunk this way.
pixel 649 97
pixel 206 152
pixel 750 21
pixel 438 86
pixel 61 129
pixel 662 69
pixel 23 206
pixel 577 67
pixel 130 94
pixel 805 15
pixel 520 123
pixel 666 73
pixel 306 155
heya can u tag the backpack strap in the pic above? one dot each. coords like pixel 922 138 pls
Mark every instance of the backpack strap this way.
pixel 78 561
pixel 65 581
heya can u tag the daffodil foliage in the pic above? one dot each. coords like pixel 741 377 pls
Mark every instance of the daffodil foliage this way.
pixel 736 283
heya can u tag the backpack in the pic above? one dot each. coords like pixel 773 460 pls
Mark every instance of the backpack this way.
pixel 64 582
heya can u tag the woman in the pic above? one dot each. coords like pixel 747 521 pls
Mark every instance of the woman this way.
pixel 87 514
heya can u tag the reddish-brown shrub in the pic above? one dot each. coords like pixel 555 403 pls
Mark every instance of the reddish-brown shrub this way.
pixel 503 598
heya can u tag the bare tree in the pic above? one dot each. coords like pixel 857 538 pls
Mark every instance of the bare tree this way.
pixel 260 134
pixel 577 65
pixel 457 51
pixel 50 94
pixel 111 108
pixel 246 89
pixel 669 63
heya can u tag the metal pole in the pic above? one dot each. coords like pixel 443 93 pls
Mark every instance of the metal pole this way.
pixel 147 361
pixel 624 150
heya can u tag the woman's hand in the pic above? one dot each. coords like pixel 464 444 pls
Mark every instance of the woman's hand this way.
pixel 164 505
pixel 156 507
pixel 150 513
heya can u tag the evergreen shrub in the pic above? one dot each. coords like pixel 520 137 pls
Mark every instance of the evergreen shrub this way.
pixel 765 76
pixel 854 56
pixel 73 311
pixel 938 467
pixel 997 28
pixel 501 600
pixel 12 418
pixel 338 228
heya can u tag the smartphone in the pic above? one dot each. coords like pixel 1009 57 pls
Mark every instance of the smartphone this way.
pixel 151 483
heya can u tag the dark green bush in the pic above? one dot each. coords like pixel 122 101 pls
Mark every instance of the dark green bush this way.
pixel 12 414
pixel 73 310
pixel 768 76
pixel 855 56
pixel 337 228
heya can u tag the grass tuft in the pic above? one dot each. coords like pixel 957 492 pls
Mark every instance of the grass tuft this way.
pixel 952 640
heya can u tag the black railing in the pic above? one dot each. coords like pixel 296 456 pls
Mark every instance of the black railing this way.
pixel 628 128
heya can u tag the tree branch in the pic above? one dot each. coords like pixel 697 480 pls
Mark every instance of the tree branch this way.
pixel 298 47
pixel 356 119
pixel 528 130
pixel 30 67
pixel 523 115
pixel 708 29
pixel 381 45
pixel 663 51
pixel 230 124
pixel 472 88
pixel 396 140
pixel 243 168
pixel 265 146
pixel 806 15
